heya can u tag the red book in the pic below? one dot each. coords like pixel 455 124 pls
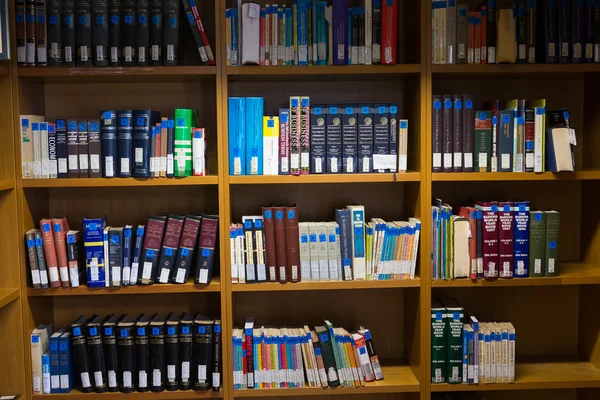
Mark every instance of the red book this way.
pixel 489 230
pixel 155 227
pixel 505 239
pixel 170 244
pixel 60 227
pixel 389 31
pixel 249 347
pixel 50 252
pixel 262 30
pixel 209 53
pixel 292 240
pixel 483 34
pixel 207 247
pixel 470 213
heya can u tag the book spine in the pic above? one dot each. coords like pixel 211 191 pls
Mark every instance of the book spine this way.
pixel 125 143
pixel 203 36
pixel 365 138
pixel 95 149
pixel 30 26
pixel 506 141
pixel 65 360
pixel 334 140
pixel 457 133
pixel 108 138
pixel 471 38
pixel 468 133
pixel 157 357
pixel 184 122
pixel 54 371
pixel 142 32
pixel 207 247
pixel 491 32
pixel 490 240
pixel 578 31
pixel 483 11
pixel 59 228
pixel 340 32
pixel 100 33
pixel 506 239
pixel 80 356
pixel 46 374
pixel 305 135
pixel 52 159
pixel 237 136
pixel 532 28
pixel 454 326
pixel 83 148
pixel 96 358
pixel 199 152
pixel 552 234
pixel 170 33
pixel 253 130
pixel 589 31
pixel 195 31
pixel 41 43
pixel 295 135
pixel 73 258
pixel 33 263
pixel 462 34
pixel 540 118
pixel 349 139
pixel 389 31
pixel 39 249
pixel 55 46
pixel 142 359
pixel 521 34
pixel 447 133
pixel 114 32
pixel 564 31
pixel 529 140
pixel 450 32
pixel 50 252
pixel 83 30
pixel 477 38
pixel 45 161
pixel 318 142
pixel 438 345
pixel 156 32
pixel 21 32
pixel 149 257
pixel 284 141
pixel 437 127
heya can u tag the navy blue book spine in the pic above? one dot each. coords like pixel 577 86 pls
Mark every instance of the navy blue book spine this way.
pixel 343 219
pixel 143 121
pixel 170 146
pixel 365 138
pixel 124 142
pixel 334 139
pixel 588 31
pixel 61 148
pixel 349 139
pixel 381 129
pixel 127 250
pixel 108 137
pixel 505 141
pixel 521 238
pixel 564 31
pixel 318 142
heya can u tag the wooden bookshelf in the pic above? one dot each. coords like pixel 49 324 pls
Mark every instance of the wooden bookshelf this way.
pixel 7 296
pixel 120 182
pixel 498 70
pixel 513 176
pixel 179 394
pixel 334 178
pixel 347 285
pixel 6 184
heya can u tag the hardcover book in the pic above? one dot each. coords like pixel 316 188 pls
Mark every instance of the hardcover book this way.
pixel 142 356
pixel 552 234
pixel 126 353
pixel 334 140
pixel 506 239
pixel 537 244
pixel 207 248
pixel 109 349
pixel 170 245
pixel 521 238
pixel 153 237
pixel 489 229
pixel 349 139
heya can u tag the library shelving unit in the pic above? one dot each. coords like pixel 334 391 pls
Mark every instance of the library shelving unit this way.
pixel 558 351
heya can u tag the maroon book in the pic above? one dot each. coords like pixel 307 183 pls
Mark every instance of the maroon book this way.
pixel 489 229
pixel 505 239
pixel 151 250
pixel 169 247
pixel 207 247
pixel 187 245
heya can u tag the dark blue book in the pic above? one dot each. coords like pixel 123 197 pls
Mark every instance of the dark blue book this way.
pixel 108 135
pixel 137 254
pixel 127 253
pixel 65 362
pixel 381 130
pixel 588 31
pixel 334 139
pixel 142 31
pixel 547 50
pixel 343 218
pixel 505 141
pixel 349 139
pixel 564 31
pixel 170 146
pixel 143 121
pixel 318 142
pixel 365 138
pixel 61 148
pixel 521 238
pixel 124 143
pixel 52 161
pixel 54 362
pixel 578 31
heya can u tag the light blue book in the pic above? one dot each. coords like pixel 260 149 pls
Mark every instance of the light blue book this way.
pixel 237 136
pixel 254 135
pixel 322 32
pixel 54 362
pixel 289 36
pixel 302 32
pixel 46 388
pixel 65 362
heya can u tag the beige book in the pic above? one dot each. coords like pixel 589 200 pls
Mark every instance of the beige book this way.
pixel 460 246
pixel 321 228
pixel 27 144
pixel 416 224
pixel 506 51
pixel 561 146
pixel 493 352
pixel 504 354
pixel 403 145
pixel 313 239
pixel 39 346
pixel 511 351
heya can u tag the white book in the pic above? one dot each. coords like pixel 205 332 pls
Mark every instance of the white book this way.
pixel 274 36
pixel 265 50
pixel 403 145
pixel 451 32
pixel 511 351
pixel 443 33
pixel 416 224
pixel 305 265
pixel 281 48
pixel 45 150
pixel 199 151
pixel 504 357
pixel 332 251
pixel 357 213
pixel 107 272
pixel 37 150
pixel 240 253
pixel 313 240
pixel 39 346
pixel 368 32
pixel 538 156
pixel 323 248
pixel 233 254
pixel 250 33
pixel 270 145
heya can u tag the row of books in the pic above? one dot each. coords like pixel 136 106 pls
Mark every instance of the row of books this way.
pixel 126 353
pixel 301 357
pixel 161 251
pixel 122 143
pixel 317 139
pixel 311 32
pixel 464 350
pixel 549 31
pixel 521 136
pixel 110 33
pixel 492 239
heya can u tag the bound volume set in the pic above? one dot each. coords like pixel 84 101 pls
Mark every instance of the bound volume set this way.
pixel 123 143
pixel 275 247
pixel 162 251
pixel 531 31
pixel 464 350
pixel 127 354
pixel 520 136
pixel 310 32
pixel 315 139
pixel 103 33
pixel 270 357
pixel 491 239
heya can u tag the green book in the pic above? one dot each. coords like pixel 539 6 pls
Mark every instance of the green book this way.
pixel 483 141
pixel 454 340
pixel 551 246
pixel 337 356
pixel 438 342
pixel 328 357
pixel 185 120
pixel 537 243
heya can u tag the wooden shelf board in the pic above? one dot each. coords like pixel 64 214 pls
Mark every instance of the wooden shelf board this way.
pixel 513 176
pixel 179 394
pixel 117 74
pixel 545 375
pixel 340 72
pixel 513 69
pixel 7 296
pixel 121 182
pixel 4 70
pixel 157 288
pixel 332 285
pixel 570 274
pixel 324 178
pixel 6 184
pixel 396 379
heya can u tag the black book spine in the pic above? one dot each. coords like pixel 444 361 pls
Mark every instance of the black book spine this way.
pixel 468 121
pixel 142 31
pixel 142 359
pixel 156 31
pixel 96 356
pixel 80 356
pixel 68 33
pixel 100 32
pixel 171 357
pixel 588 31
pixel 522 32
pixel 157 358
pixel 376 31
pixel 21 34
pixel 548 35
pixel 114 32
pixel 185 355
pixel 491 32
pixel 143 121
pixel 61 148
pixel 30 32
pixel 108 131
pixel 126 357
pixel 170 38
pixel 216 367
pixel 55 50
pixel 128 33
pixel 170 146
pixel 109 344
pixel 354 26
pixel 437 127
pixel 596 31
pixel 578 31
pixel 83 29
pixel 365 138
pixel 202 356
pixel 531 30
pixel 564 31
pixel 187 9
pixel 361 37
pixel 457 133
pixel 124 143
pixel 447 133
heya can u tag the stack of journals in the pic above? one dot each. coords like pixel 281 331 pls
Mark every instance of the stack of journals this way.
pixel 108 33
pixel 312 33
pixel 315 139
pixel 493 239
pixel 123 353
pixel 275 247
pixel 464 350
pixel 520 137
pixel 299 357
pixel 534 31
pixel 123 143
pixel 113 256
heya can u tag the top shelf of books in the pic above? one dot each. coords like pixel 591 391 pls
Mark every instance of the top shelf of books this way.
pixel 513 69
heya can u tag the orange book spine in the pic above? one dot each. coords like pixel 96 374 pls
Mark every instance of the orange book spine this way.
pixel 59 230
pixel 50 252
